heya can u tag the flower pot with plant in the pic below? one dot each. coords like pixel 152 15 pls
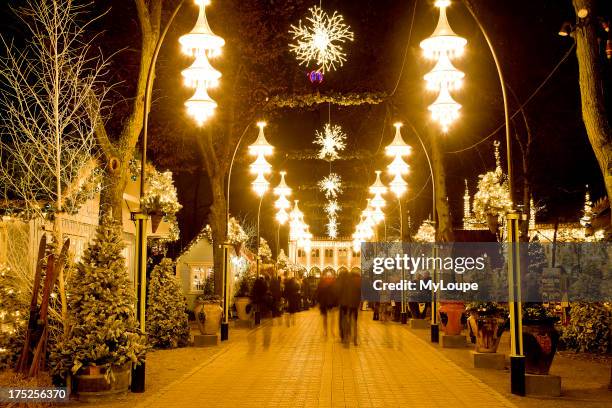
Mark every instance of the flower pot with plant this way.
pixel 242 299
pixel 540 338
pixel 210 305
pixel 487 321
pixel 451 313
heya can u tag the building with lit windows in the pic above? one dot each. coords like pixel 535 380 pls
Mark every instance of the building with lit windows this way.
pixel 326 255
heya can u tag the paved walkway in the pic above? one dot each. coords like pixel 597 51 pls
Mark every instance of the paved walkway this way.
pixel 297 366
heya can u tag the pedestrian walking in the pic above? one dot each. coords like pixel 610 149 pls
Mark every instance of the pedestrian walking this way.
pixel 292 295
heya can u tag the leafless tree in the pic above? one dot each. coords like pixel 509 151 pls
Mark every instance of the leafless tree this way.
pixel 49 108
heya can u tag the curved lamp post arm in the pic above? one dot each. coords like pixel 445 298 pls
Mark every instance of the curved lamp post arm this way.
pixel 502 84
pixel 149 91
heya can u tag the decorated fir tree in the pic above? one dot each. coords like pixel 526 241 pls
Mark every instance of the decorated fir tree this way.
pixel 12 318
pixel 103 328
pixel 167 321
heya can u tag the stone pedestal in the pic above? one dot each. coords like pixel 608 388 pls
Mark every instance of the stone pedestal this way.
pixel 491 361
pixel 422 324
pixel 458 341
pixel 244 324
pixel 205 340
pixel 543 385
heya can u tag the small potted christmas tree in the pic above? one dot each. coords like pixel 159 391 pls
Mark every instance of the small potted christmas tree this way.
pixel 167 321
pixel 104 338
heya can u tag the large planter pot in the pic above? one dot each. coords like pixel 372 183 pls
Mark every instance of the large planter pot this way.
pixel 540 340
pixel 91 381
pixel 488 330
pixel 415 310
pixel 213 313
pixel 241 307
pixel 450 317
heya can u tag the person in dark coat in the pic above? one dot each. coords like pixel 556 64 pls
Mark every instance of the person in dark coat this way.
pixel 275 291
pixel 292 295
pixel 325 298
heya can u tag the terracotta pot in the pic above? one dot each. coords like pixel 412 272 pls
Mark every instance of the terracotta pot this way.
pixel 488 330
pixel 540 340
pixel 91 381
pixel 213 313
pixel 241 307
pixel 450 317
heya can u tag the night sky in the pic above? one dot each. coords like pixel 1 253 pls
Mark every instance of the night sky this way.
pixel 524 33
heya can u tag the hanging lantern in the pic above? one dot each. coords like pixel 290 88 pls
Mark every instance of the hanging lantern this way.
pixel 444 110
pixel 315 77
pixel 443 41
pixel 398 185
pixel 444 75
pixel 201 73
pixel 260 165
pixel 201 40
pixel 261 145
pixel 398 146
pixel 200 106
pixel 260 185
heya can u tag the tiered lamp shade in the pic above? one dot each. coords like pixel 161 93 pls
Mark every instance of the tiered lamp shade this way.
pixel 444 75
pixel 201 40
pixel 201 73
pixel 398 166
pixel 378 187
pixel 443 41
pixel 444 110
pixel 260 185
pixel 398 147
pixel 200 106
pixel 283 190
pixel 260 166
pixel 261 145
pixel 398 185
pixel 282 217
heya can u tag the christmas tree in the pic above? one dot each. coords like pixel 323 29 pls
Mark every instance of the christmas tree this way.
pixel 167 321
pixel 12 318
pixel 103 328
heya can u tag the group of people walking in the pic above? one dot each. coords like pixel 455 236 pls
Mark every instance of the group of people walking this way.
pixel 343 292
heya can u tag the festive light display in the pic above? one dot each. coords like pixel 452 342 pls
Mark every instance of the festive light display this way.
pixel 260 166
pixel 298 229
pixel 332 208
pixel 493 196
pixel 378 202
pixel 426 232
pixel 331 185
pixel 442 46
pixel 282 191
pixel 398 166
pixel 320 40
pixel 201 43
pixel 587 211
pixel 332 141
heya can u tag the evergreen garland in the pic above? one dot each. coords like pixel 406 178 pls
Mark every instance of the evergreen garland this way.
pixel 12 319
pixel 336 98
pixel 167 322
pixel 103 328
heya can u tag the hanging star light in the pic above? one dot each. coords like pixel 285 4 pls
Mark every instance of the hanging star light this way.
pixel 332 228
pixel 320 40
pixel 331 185
pixel 332 141
pixel 332 208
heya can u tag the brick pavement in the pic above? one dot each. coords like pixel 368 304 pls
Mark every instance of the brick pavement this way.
pixel 297 366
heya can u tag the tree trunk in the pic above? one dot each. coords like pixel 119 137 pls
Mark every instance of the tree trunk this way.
pixel 592 91
pixel 111 196
pixel 218 225
pixel 444 222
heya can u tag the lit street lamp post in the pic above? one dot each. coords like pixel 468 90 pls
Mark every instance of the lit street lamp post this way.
pixel 198 43
pixel 442 45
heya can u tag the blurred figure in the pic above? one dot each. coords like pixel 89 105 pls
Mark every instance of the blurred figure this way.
pixel 354 281
pixel 326 299
pixel 292 295
pixel 305 294
pixel 275 291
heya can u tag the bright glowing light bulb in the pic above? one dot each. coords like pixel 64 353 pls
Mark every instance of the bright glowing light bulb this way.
pixel 445 110
pixel 444 75
pixel 282 189
pixel 443 41
pixel 398 146
pixel 282 217
pixel 378 201
pixel 200 106
pixel 261 145
pixel 201 40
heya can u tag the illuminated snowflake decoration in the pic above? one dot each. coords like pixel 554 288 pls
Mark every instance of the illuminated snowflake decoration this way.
pixel 332 228
pixel 332 141
pixel 332 208
pixel 331 185
pixel 320 40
